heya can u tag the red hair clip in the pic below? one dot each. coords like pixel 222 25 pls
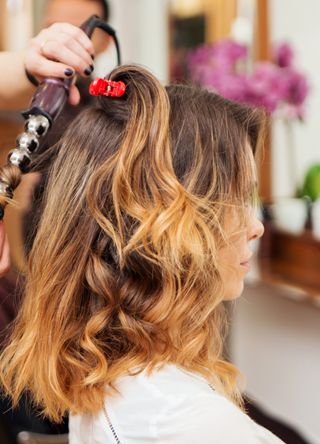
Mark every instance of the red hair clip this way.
pixel 108 88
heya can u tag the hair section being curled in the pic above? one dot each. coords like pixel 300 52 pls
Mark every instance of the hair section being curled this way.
pixel 124 270
pixel 19 158
pixel 10 177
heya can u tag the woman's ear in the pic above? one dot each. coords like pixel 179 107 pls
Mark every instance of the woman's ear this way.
pixel 4 251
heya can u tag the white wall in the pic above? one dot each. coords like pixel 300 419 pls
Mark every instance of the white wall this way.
pixel 276 341
pixel 17 16
pixel 142 28
pixel 298 22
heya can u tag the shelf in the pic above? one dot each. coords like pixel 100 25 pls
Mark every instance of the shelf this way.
pixel 291 259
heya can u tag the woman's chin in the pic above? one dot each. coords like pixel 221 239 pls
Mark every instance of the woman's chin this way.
pixel 233 292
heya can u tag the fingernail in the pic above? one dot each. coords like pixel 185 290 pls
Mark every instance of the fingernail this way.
pixel 68 72
pixel 88 70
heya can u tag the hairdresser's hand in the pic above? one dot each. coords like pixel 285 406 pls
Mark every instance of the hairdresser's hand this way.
pixel 4 251
pixel 60 51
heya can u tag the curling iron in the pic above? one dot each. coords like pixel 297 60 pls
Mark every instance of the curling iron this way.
pixel 46 105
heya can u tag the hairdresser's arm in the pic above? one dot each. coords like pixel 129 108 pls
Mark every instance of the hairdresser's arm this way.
pixel 53 52
pixel 4 251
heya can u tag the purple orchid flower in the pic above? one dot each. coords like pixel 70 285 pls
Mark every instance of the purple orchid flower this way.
pixel 271 85
pixel 283 55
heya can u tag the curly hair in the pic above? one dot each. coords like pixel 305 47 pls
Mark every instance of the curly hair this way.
pixel 124 272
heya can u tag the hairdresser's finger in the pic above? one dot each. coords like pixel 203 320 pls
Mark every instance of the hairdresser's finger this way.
pixel 74 96
pixel 42 67
pixel 4 251
pixel 54 50
pixel 62 40
pixel 76 33
pixel 5 262
pixel 76 48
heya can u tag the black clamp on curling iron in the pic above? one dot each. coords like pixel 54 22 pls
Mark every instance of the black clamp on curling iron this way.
pixel 46 105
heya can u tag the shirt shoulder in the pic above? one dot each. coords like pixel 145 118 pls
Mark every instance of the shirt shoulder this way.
pixel 210 419
pixel 169 406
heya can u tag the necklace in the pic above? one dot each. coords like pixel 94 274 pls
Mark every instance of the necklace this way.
pixel 114 433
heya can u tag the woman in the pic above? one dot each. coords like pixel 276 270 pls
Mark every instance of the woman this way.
pixel 61 50
pixel 145 230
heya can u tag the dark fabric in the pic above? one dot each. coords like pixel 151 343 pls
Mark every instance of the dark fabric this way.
pixel 26 418
pixel 285 432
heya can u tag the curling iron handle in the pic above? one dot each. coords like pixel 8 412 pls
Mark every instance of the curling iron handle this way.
pixel 50 97
pixel 90 24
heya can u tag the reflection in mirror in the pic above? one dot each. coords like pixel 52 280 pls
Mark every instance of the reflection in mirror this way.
pixel 186 33
pixel 195 22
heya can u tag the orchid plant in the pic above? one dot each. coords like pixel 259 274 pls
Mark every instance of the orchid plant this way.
pixel 275 85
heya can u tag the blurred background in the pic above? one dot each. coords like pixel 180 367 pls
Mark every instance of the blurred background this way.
pixel 261 52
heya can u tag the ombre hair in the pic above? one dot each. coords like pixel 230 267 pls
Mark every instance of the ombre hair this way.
pixel 124 272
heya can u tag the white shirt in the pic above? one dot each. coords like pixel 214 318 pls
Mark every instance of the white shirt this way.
pixel 171 406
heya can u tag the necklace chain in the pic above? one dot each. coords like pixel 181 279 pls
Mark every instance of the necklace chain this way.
pixel 111 426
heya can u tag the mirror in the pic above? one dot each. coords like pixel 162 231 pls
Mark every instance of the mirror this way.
pixel 195 22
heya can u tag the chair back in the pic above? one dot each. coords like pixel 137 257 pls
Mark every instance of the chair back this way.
pixel 38 438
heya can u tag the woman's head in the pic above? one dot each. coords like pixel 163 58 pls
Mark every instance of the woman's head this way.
pixel 144 198
pixel 214 142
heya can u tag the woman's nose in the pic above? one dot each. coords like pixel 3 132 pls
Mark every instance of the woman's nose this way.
pixel 256 229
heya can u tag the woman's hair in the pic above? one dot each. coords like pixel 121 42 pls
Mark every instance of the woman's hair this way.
pixel 124 272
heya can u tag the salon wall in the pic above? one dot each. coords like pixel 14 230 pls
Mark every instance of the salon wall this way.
pixel 275 338
pixel 275 343
pixel 15 15
pixel 298 22
pixel 143 41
